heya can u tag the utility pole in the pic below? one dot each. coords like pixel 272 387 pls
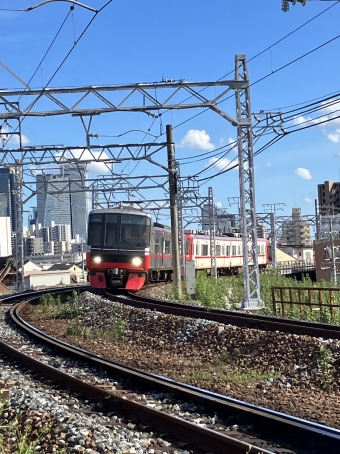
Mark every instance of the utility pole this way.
pixel 251 272
pixel 272 210
pixel 213 266
pixel 331 254
pixel 173 208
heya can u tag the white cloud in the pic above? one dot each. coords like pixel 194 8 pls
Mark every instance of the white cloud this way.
pixel 222 164
pixel 6 136
pixel 234 144
pixel 198 139
pixel 329 113
pixel 89 155
pixel 334 137
pixel 308 200
pixel 219 205
pixel 303 173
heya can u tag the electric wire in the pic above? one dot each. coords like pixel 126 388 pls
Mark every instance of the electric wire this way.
pixel 253 58
pixel 63 61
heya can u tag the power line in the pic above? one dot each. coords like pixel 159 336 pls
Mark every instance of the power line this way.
pixel 63 61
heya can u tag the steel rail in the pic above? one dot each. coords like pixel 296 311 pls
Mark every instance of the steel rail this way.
pixel 199 436
pixel 249 320
pixel 264 417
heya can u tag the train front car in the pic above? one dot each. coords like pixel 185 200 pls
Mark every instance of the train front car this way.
pixel 119 248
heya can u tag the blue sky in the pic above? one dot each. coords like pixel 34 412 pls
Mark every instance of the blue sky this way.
pixel 135 41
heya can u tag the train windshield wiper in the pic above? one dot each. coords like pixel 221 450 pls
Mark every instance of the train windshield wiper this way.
pixel 130 245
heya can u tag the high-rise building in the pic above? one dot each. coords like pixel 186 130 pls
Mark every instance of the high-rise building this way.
pixel 61 198
pixel 329 197
pixel 7 197
pixel 224 222
pixel 296 232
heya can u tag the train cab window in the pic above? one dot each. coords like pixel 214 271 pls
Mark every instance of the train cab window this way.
pixel 111 231
pixel 262 249
pixel 157 248
pixel 167 249
pixel 228 250
pixel 95 230
pixel 204 249
pixel 135 231
pixel 233 250
pixel 218 249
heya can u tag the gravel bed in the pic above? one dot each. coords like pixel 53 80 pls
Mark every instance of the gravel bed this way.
pixel 198 352
pixel 58 421
pixel 298 378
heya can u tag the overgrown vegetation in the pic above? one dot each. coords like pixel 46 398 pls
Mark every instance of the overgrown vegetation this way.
pixel 61 306
pixel 228 292
pixel 19 434
pixel 326 367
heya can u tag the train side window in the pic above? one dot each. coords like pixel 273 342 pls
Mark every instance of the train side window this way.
pixel 187 247
pixel 258 249
pixel 223 250
pixel 262 249
pixel 228 250
pixel 167 247
pixel 157 248
pixel 204 249
pixel 197 249
pixel 238 250
pixel 218 249
pixel 233 250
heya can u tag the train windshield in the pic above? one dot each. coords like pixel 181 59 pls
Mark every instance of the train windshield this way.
pixel 135 231
pixel 119 231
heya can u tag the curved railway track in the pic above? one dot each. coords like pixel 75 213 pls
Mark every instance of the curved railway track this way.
pixel 237 318
pixel 266 423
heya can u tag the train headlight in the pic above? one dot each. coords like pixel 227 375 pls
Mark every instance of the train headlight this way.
pixel 136 261
pixel 97 259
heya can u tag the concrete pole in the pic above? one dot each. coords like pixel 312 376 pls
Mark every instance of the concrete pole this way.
pixel 333 269
pixel 173 208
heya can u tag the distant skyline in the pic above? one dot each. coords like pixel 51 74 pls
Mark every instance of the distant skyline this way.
pixel 292 62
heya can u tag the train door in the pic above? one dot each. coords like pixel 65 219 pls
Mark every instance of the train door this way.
pixel 162 250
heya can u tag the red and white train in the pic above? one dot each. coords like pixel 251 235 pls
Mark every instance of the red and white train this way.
pixel 126 249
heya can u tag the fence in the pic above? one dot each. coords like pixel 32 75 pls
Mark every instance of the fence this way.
pixel 300 301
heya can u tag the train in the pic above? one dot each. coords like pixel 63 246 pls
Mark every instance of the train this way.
pixel 126 249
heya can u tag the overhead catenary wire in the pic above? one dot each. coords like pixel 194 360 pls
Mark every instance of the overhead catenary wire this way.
pixel 64 60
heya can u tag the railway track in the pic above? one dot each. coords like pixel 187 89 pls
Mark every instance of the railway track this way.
pixel 237 318
pixel 265 423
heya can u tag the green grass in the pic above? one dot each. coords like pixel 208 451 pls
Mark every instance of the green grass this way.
pixel 228 293
pixel 17 434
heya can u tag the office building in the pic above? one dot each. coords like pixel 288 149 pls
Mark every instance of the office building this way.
pixel 61 198
pixel 224 221
pixel 5 237
pixel 296 232
pixel 329 197
pixel 7 196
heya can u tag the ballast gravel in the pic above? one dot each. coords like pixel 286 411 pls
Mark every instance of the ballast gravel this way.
pixel 55 421
pixel 294 374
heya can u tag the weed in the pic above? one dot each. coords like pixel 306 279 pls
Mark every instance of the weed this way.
pixel 251 376
pixel 325 367
pixel 116 330
pixel 74 329
pixel 68 312
pixel 20 436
